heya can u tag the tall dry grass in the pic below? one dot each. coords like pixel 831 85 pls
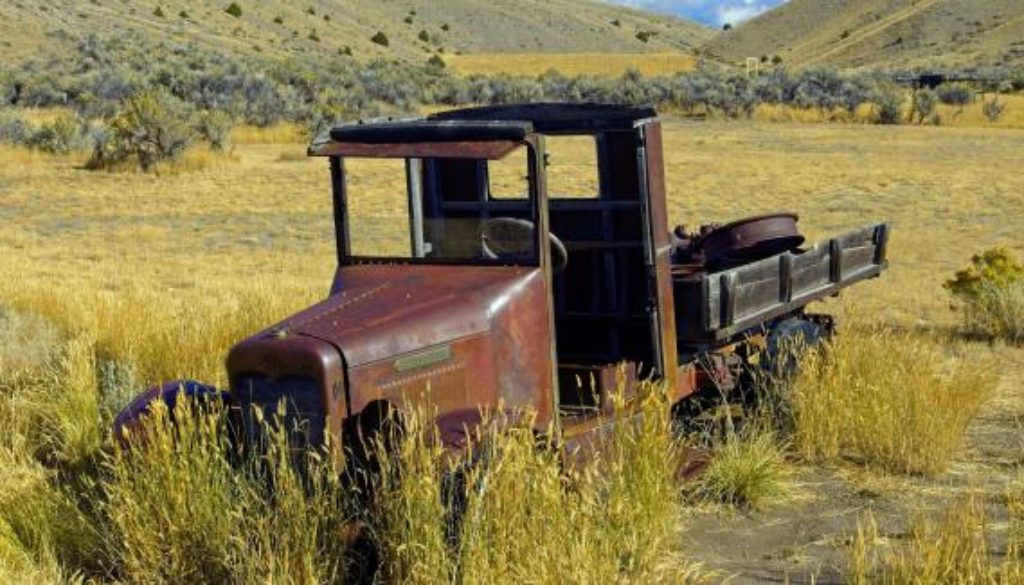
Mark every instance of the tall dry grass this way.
pixel 747 469
pixel 513 514
pixel 955 546
pixel 601 64
pixel 996 312
pixel 894 401
pixel 182 506
pixel 282 133
pixel 969 116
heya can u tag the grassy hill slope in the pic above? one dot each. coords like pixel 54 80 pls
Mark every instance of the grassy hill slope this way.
pixel 414 29
pixel 891 33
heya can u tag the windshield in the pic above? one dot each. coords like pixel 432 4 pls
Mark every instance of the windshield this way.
pixel 441 210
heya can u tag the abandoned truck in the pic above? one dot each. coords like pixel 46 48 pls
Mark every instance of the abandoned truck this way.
pixel 533 300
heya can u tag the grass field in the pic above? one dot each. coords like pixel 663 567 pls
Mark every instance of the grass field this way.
pixel 165 272
pixel 604 64
pixel 970 116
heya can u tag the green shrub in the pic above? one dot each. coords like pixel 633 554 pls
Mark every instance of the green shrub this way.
pixel 993 109
pixel 214 127
pixel 381 39
pixel 436 61
pixel 645 35
pixel 956 94
pixel 152 127
pixel 61 136
pixel 424 36
pixel 990 295
pixel 159 13
pixel 14 129
pixel 747 469
pixel 234 10
pixel 923 105
pixel 889 107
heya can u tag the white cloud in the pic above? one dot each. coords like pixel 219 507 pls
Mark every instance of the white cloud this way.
pixel 710 12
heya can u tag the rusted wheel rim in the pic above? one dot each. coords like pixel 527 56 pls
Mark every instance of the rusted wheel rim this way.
pixel 751 239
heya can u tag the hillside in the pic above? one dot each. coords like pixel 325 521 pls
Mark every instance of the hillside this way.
pixel 414 29
pixel 889 33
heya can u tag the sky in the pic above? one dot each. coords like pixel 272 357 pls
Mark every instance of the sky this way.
pixel 710 12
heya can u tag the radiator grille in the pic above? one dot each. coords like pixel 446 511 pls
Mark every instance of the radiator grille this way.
pixel 304 417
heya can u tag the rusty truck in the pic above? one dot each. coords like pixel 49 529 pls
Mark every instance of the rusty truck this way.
pixel 534 300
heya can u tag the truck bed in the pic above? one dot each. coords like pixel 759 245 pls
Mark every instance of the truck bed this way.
pixel 714 307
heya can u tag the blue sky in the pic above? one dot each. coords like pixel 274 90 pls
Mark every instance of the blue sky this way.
pixel 710 12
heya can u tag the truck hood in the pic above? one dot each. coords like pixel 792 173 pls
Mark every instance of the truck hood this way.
pixel 382 311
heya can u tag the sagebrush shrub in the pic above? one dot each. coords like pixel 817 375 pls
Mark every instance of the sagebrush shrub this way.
pixel 990 295
pixel 923 103
pixel 14 129
pixel 61 136
pixel 152 127
pixel 993 109
pixel 956 94
pixel 888 107
pixel 214 127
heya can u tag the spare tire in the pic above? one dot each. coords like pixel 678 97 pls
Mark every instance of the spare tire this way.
pixel 750 239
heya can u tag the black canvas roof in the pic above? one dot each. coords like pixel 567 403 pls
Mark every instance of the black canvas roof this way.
pixel 557 117
pixel 401 131
pixel 506 123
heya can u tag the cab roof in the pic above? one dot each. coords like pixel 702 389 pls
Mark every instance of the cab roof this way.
pixel 481 132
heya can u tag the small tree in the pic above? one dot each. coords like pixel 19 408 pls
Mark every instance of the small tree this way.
pixel 645 35
pixel 436 61
pixel 956 94
pixel 61 136
pixel 993 109
pixel 152 127
pixel 158 12
pixel 424 36
pixel 727 26
pixel 380 38
pixel 234 10
pixel 924 103
pixel 888 107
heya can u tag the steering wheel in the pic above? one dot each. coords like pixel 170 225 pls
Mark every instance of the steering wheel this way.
pixel 509 238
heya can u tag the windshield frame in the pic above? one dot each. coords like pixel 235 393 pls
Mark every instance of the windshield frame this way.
pixel 414 209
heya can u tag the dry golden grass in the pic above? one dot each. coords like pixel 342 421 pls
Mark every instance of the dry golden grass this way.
pixel 953 546
pixel 602 64
pixel 203 238
pixel 971 116
pixel 282 133
pixel 887 401
pixel 164 272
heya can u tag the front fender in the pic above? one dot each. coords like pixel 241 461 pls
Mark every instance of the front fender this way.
pixel 128 421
